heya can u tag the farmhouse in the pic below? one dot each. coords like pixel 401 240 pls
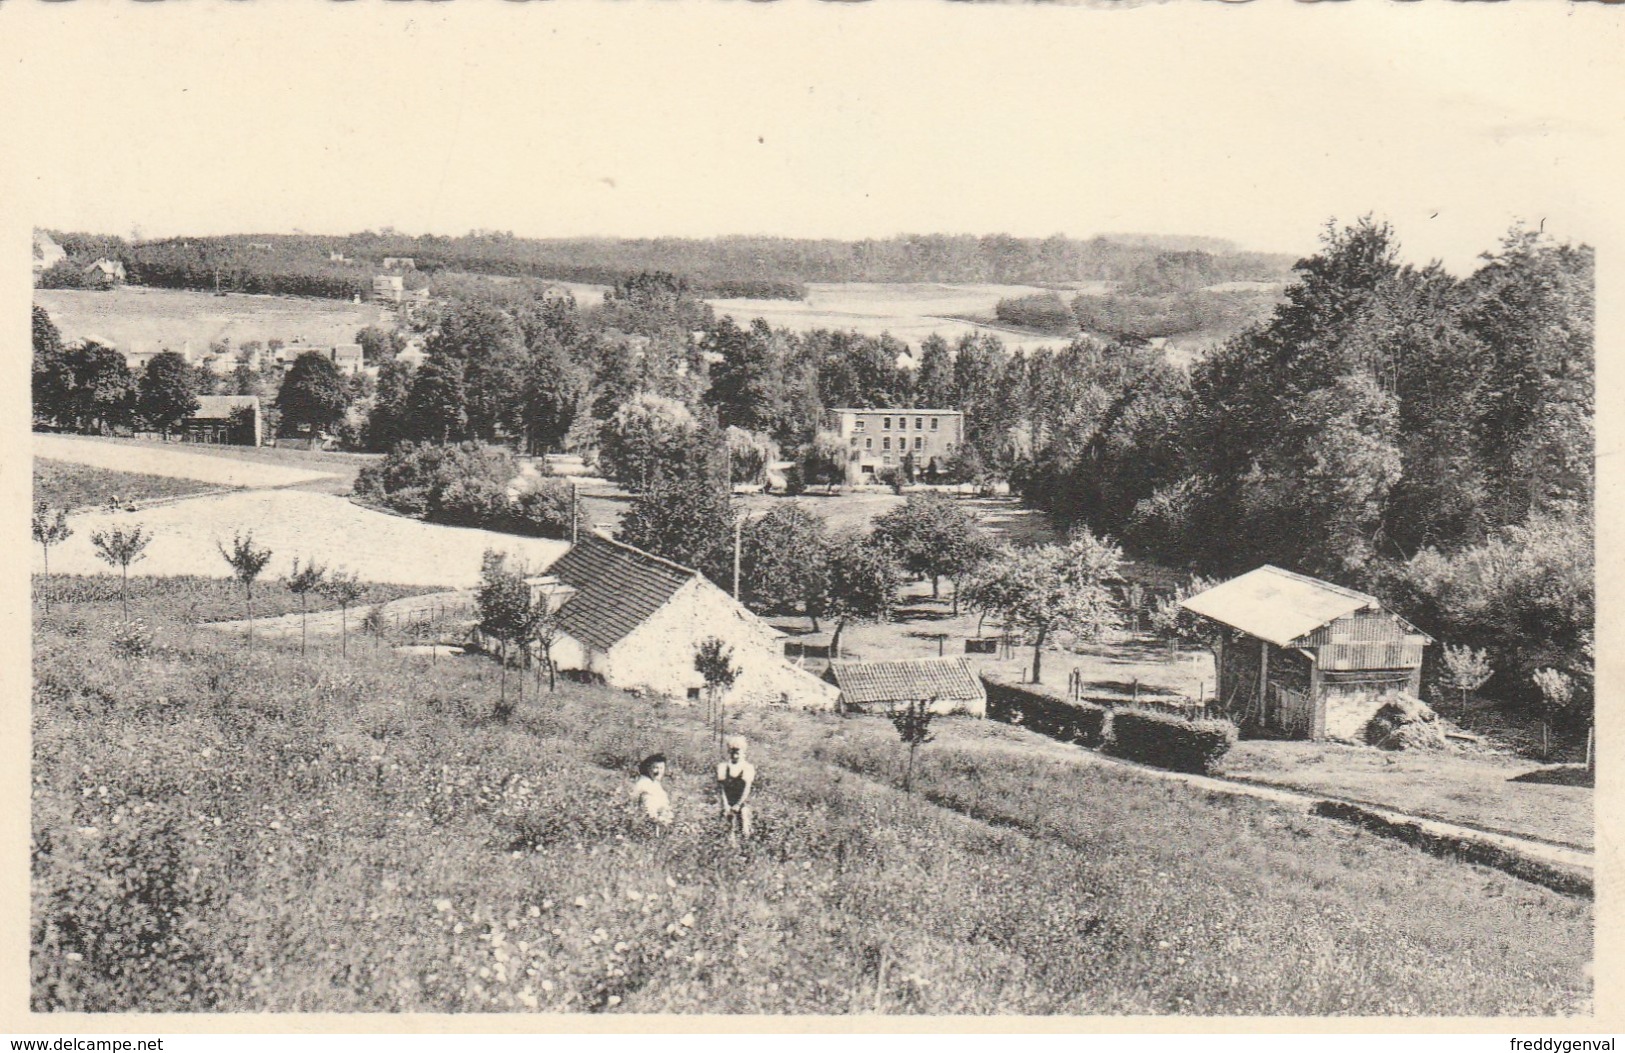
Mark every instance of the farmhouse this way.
pixel 391 287
pixel 233 420
pixel 1307 658
pixel 104 274
pixel 636 621
pixel 948 684
pixel 877 439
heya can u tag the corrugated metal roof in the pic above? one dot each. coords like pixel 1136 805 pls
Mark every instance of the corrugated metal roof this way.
pixel 1277 605
pixel 906 680
pixel 618 588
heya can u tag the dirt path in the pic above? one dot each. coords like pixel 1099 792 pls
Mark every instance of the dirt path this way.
pixel 1541 851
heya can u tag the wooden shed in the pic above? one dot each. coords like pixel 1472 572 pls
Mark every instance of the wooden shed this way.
pixel 948 684
pixel 1306 658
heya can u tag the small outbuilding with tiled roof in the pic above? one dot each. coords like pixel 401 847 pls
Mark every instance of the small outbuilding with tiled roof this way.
pixel 636 620
pixel 948 684
pixel 1305 657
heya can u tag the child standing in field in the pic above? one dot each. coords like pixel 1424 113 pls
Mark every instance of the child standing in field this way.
pixel 649 795
pixel 734 779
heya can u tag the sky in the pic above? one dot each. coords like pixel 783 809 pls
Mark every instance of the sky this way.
pixel 1247 122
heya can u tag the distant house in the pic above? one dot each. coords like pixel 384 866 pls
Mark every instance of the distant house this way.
pixel 347 357
pixel 399 263
pixel 47 253
pixel 948 684
pixel 335 256
pixel 260 246
pixel 103 274
pixel 1307 658
pixel 233 420
pixel 636 620
pixel 877 439
pixel 412 354
pixel 390 287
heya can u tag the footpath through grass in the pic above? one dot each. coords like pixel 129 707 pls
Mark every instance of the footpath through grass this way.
pixel 214 831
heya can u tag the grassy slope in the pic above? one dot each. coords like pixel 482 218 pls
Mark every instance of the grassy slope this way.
pixel 72 486
pixel 362 835
pixel 1475 789
pixel 176 601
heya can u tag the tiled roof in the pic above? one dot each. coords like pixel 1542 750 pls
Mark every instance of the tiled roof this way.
pixel 618 588
pixel 1277 605
pixel 906 680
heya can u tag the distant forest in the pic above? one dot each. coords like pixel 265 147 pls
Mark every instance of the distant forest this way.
pixel 759 267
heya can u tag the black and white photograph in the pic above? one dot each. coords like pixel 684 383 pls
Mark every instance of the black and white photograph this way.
pixel 806 511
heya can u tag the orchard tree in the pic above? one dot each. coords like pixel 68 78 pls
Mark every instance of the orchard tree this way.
pixel 50 528
pixel 863 583
pixel 167 392
pixel 302 582
pixel 688 521
pixel 343 589
pixel 314 396
pixel 912 720
pixel 784 562
pixel 1051 588
pixel 1466 670
pixel 931 535
pixel 713 660
pixel 506 614
pixel 246 563
pixel 120 548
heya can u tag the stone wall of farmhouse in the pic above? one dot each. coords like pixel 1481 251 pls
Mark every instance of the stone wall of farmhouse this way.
pixel 658 656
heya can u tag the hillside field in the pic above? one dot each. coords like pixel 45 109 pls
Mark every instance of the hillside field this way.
pixel 218 831
pixel 908 311
pixel 135 318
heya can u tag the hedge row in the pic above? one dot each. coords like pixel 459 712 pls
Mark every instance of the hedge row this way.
pixel 1082 722
pixel 1169 741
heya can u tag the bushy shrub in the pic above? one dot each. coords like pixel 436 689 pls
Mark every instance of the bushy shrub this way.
pixel 1168 741
pixel 464 485
pixel 543 507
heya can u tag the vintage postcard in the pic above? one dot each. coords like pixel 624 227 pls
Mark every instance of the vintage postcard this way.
pixel 810 516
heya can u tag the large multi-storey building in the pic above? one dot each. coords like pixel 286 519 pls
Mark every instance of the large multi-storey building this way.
pixel 884 438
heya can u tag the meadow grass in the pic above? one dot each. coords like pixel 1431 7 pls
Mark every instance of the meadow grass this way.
pixel 215 831
pixel 74 486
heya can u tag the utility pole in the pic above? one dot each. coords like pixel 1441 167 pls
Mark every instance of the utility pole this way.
pixel 739 529
pixel 575 517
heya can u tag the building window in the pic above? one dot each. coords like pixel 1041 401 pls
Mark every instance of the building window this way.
pixel 933 424
pixel 885 424
pixel 854 440
pixel 693 694
pixel 885 444
pixel 948 447
pixel 868 444
pixel 918 442
pixel 919 422
pixel 857 425
pixel 886 459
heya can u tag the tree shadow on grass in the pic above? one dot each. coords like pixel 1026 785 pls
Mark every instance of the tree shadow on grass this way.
pixel 1559 775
